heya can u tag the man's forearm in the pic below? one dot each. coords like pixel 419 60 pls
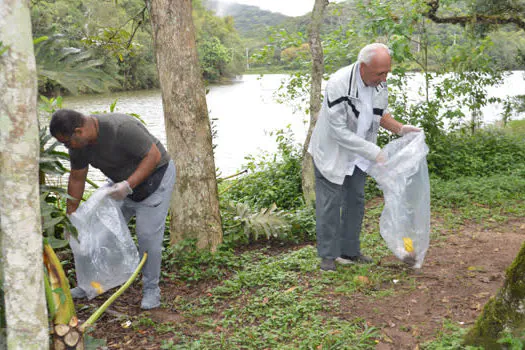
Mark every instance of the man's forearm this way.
pixel 390 124
pixel 145 168
pixel 75 189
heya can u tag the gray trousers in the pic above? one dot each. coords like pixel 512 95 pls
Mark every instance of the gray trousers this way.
pixel 150 222
pixel 339 211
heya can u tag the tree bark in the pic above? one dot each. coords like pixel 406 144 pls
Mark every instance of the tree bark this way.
pixel 505 311
pixel 195 204
pixel 20 228
pixel 316 48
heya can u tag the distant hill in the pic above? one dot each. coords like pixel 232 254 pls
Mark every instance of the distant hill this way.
pixel 250 21
pixel 253 23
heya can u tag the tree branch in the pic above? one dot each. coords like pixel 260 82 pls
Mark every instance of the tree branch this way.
pixel 476 18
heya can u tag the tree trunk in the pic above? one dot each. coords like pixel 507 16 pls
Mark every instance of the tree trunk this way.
pixel 316 48
pixel 20 227
pixel 195 203
pixel 505 311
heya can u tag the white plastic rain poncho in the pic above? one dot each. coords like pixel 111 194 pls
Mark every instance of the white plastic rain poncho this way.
pixel 403 178
pixel 105 254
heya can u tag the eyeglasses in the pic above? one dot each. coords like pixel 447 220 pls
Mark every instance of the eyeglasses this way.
pixel 66 142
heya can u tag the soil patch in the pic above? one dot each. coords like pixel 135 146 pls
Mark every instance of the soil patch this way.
pixel 458 277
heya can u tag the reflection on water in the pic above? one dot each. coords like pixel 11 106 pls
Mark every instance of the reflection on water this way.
pixel 244 112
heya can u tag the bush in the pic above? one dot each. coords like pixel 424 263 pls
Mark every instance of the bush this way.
pixel 268 202
pixel 273 178
pixel 486 153
pixel 491 191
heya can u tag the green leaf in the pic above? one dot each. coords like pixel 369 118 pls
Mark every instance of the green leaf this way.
pixel 56 243
pixel 51 223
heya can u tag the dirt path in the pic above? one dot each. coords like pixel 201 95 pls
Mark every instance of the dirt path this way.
pixel 458 277
pixel 460 273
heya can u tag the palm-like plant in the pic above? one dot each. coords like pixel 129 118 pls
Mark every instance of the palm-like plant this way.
pixel 267 222
pixel 71 68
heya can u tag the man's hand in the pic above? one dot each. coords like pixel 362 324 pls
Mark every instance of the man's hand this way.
pixel 405 129
pixel 120 190
pixel 381 158
pixel 67 233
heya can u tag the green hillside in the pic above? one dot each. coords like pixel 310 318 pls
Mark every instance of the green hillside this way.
pixel 249 21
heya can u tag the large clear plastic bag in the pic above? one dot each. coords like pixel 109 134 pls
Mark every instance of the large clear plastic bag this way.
pixel 105 254
pixel 403 178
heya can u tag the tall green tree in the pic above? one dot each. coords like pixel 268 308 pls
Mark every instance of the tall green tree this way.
pixel 22 277
pixel 219 47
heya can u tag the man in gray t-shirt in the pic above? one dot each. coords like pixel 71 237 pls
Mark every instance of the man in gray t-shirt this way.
pixel 141 173
pixel 122 143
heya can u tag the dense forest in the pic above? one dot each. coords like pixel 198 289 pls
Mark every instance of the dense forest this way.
pixel 83 47
pixel 346 24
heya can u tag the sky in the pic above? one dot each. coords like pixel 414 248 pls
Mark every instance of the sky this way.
pixel 286 7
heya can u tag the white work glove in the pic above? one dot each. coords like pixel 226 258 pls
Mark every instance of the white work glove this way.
pixel 381 158
pixel 67 234
pixel 405 129
pixel 120 190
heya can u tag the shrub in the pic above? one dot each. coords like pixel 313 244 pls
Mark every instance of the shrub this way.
pixel 273 178
pixel 486 153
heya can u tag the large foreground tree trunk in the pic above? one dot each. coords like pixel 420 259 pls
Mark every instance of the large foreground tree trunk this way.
pixel 316 48
pixel 505 311
pixel 20 228
pixel 195 203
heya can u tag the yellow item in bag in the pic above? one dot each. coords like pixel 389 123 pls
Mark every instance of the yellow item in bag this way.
pixel 97 287
pixel 409 247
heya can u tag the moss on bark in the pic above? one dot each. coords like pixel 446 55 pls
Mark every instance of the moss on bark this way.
pixel 505 311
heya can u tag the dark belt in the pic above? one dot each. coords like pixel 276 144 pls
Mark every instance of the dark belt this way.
pixel 148 186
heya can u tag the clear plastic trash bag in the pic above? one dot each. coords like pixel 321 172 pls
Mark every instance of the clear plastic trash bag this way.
pixel 403 178
pixel 105 254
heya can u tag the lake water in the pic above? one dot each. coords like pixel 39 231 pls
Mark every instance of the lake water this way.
pixel 246 111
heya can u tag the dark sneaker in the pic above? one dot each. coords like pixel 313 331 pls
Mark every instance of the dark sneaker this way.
pixel 410 260
pixel 150 299
pixel 78 293
pixel 347 260
pixel 327 265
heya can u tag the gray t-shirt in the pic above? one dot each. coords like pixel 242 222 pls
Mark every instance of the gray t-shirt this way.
pixel 123 141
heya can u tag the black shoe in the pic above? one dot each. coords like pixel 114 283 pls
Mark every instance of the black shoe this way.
pixel 360 259
pixel 409 259
pixel 78 293
pixel 327 265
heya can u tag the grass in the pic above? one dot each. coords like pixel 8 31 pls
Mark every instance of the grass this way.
pixel 449 337
pixel 276 302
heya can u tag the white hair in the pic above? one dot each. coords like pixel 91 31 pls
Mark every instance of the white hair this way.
pixel 369 51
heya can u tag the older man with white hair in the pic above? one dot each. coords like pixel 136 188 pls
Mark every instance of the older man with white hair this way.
pixel 343 145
